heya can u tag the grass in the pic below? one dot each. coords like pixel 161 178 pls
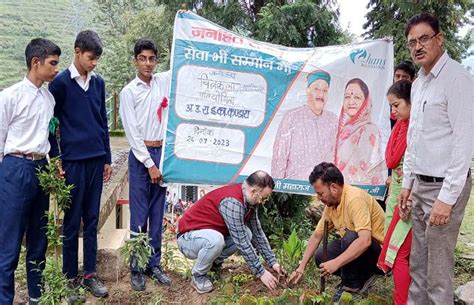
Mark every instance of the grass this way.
pixel 465 243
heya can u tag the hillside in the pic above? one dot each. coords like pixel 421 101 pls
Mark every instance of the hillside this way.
pixel 22 20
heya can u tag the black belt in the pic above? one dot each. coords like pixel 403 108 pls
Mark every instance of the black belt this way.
pixel 431 179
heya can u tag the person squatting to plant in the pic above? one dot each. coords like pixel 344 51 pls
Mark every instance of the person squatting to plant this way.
pixel 26 109
pixel 358 219
pixel 85 153
pixel 143 109
pixel 224 221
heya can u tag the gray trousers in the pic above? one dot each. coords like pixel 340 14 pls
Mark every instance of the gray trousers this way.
pixel 432 252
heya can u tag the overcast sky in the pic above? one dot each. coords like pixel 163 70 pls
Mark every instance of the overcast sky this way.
pixel 352 18
pixel 353 15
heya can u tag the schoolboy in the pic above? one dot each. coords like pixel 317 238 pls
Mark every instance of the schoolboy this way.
pixel 85 153
pixel 143 108
pixel 26 109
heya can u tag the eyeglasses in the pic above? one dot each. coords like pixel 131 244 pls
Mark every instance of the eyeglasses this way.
pixel 143 59
pixel 423 40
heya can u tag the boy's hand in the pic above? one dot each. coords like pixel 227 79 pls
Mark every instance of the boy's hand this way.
pixel 155 174
pixel 107 172
pixel 59 169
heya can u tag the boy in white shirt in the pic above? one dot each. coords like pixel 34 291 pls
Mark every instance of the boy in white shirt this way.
pixel 26 109
pixel 143 109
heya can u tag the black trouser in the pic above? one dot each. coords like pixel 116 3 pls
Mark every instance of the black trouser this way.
pixel 355 273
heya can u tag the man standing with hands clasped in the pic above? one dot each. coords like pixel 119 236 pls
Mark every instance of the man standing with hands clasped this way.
pixel 437 176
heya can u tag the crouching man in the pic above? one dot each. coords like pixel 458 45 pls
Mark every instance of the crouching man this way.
pixel 358 219
pixel 224 221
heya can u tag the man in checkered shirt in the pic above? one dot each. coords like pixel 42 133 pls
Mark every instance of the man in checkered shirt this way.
pixel 224 221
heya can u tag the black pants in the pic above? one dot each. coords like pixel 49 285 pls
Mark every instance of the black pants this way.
pixel 355 273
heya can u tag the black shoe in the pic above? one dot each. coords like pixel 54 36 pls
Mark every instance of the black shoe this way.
pixel 158 275
pixel 95 286
pixel 75 296
pixel 138 281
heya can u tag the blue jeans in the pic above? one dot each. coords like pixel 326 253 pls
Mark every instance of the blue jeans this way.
pixel 207 246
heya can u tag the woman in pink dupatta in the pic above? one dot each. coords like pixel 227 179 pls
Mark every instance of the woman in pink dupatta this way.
pixel 358 147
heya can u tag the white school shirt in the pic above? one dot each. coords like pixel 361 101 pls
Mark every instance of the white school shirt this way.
pixel 139 105
pixel 25 112
pixel 84 84
pixel 440 137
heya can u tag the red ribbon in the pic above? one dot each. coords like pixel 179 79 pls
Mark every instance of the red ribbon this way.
pixel 164 104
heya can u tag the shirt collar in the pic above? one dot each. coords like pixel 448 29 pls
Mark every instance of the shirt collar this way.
pixel 75 73
pixel 438 66
pixel 32 86
pixel 139 82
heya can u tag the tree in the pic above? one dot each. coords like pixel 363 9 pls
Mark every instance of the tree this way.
pixel 302 23
pixel 388 18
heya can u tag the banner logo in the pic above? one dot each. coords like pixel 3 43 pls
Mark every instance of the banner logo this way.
pixel 366 59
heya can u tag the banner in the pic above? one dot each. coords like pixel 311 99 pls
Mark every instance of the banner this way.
pixel 238 105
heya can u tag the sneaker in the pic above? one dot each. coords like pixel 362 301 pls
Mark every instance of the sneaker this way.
pixel 95 286
pixel 157 274
pixel 138 281
pixel 33 301
pixel 75 297
pixel 201 283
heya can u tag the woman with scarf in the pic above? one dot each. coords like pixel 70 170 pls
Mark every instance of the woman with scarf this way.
pixel 397 243
pixel 358 153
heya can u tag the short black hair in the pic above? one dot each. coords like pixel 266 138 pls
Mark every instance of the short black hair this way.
pixel 40 48
pixel 401 89
pixel 144 44
pixel 408 67
pixel 260 179
pixel 362 85
pixel 89 41
pixel 328 173
pixel 427 18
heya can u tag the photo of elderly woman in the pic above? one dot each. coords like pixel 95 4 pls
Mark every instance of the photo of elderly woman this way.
pixel 358 143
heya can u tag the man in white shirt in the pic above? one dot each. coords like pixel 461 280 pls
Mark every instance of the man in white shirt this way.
pixel 143 110
pixel 437 161
pixel 26 109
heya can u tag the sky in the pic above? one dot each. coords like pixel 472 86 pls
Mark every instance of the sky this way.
pixel 352 15
pixel 352 18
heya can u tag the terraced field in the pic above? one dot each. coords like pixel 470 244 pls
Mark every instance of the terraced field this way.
pixel 22 20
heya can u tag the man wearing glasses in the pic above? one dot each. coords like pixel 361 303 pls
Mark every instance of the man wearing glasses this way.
pixel 224 221
pixel 143 106
pixel 437 162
